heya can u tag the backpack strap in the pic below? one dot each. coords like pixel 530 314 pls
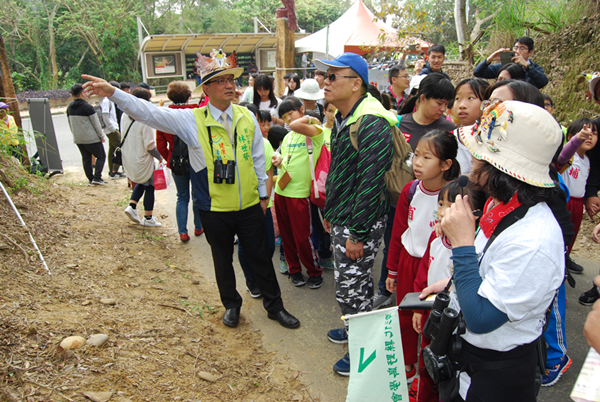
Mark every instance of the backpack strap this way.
pixel 309 148
pixel 566 166
pixel 354 131
pixel 508 220
pixel 412 190
pixel 126 132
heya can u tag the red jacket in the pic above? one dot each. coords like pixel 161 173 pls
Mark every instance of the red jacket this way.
pixel 165 141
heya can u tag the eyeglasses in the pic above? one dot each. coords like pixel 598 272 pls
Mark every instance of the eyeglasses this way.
pixel 331 77
pixel 521 48
pixel 222 81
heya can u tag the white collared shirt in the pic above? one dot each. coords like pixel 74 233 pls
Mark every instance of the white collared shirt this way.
pixel 182 123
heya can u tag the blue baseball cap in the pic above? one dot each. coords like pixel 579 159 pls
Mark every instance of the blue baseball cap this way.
pixel 351 60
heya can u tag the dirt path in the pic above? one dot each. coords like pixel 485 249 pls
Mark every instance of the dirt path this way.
pixel 164 328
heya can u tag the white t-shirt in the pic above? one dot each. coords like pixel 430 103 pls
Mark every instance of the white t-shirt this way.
pixel 463 157
pixel 576 176
pixel 421 220
pixel 273 110
pixel 248 95
pixel 108 108
pixel 138 164
pixel 521 271
pixel 440 265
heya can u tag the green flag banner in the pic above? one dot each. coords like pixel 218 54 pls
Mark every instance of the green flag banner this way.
pixel 376 359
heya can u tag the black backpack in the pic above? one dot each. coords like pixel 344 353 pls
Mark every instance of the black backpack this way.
pixel 180 161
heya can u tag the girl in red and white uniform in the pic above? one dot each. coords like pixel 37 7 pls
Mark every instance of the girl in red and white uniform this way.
pixel 582 135
pixel 434 164
pixel 436 265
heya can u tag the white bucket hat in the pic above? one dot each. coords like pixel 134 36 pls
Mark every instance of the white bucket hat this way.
pixel 594 79
pixel 517 138
pixel 309 90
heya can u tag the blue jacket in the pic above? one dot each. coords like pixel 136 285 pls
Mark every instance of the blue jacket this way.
pixel 535 73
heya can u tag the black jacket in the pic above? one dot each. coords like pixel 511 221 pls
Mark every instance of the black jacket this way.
pixel 427 70
pixel 535 73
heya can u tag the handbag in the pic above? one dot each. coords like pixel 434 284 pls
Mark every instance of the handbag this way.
pixel 117 157
pixel 162 178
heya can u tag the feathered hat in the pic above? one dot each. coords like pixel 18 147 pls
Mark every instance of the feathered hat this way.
pixel 214 66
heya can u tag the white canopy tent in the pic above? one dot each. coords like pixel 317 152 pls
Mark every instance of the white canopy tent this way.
pixel 355 31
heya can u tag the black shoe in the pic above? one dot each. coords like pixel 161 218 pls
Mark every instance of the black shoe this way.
pixel 298 279
pixel 253 289
pixel 315 282
pixel 285 319
pixel 588 298
pixel 231 318
pixel 573 267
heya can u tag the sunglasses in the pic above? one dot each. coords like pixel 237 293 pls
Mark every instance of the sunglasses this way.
pixel 331 77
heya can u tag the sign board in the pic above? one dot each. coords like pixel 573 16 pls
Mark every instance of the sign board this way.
pixel 164 64
pixel 45 137
pixel 379 78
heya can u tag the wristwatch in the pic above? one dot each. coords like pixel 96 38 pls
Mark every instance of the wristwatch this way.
pixel 353 239
pixel 266 197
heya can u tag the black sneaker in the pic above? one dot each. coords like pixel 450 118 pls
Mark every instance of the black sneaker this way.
pixel 315 282
pixel 588 298
pixel 298 279
pixel 253 289
pixel 573 267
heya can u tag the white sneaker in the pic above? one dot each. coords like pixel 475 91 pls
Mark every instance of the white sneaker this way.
pixel 132 214
pixel 150 222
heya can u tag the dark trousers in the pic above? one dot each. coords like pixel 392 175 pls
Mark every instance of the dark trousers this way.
pixel 114 140
pixel 87 150
pixel 270 243
pixel 514 383
pixel 249 225
pixel 320 238
pixel 147 192
pixel 387 237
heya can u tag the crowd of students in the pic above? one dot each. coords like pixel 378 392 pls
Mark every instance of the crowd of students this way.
pixel 443 124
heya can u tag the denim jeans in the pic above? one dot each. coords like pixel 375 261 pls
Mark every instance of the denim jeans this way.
pixel 183 199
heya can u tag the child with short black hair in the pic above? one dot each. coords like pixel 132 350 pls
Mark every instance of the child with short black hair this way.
pixel 293 190
pixel 264 122
pixel 574 167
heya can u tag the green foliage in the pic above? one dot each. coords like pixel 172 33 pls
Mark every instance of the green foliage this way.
pixel 433 20
pixel 566 55
pixel 312 15
pixel 528 17
pixel 17 80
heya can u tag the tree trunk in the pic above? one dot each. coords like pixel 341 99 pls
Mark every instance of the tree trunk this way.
pixel 7 91
pixel 52 46
pixel 460 20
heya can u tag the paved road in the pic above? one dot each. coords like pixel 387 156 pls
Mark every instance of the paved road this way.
pixel 69 153
pixel 307 348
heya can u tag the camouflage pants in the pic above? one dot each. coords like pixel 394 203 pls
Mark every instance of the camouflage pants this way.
pixel 353 278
